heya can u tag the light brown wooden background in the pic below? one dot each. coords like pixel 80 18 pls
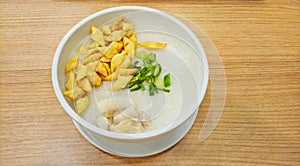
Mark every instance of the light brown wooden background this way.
pixel 259 43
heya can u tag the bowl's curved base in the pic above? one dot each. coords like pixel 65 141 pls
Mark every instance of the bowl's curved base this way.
pixel 141 149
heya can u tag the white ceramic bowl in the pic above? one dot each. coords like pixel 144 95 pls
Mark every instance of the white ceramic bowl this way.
pixel 149 24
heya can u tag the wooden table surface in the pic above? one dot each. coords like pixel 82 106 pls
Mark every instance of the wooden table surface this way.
pixel 259 44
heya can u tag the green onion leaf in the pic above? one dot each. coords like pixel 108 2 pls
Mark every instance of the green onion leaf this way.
pixel 163 89
pixel 157 70
pixel 131 84
pixel 150 79
pixel 144 71
pixel 147 62
pixel 151 89
pixel 136 88
pixel 141 55
pixel 151 57
pixel 134 65
pixel 159 82
pixel 142 87
pixel 167 80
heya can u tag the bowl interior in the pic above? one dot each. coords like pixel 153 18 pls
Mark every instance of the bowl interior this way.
pixel 184 57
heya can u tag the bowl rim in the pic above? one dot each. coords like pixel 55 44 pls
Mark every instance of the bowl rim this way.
pixel 115 135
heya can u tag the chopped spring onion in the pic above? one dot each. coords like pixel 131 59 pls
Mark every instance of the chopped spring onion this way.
pixel 167 80
pixel 147 62
pixel 157 70
pixel 134 65
pixel 163 89
pixel 151 89
pixel 152 57
pixel 142 87
pixel 159 82
pixel 135 89
pixel 141 55
pixel 148 73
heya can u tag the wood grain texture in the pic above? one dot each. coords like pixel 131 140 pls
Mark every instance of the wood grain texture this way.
pixel 259 43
